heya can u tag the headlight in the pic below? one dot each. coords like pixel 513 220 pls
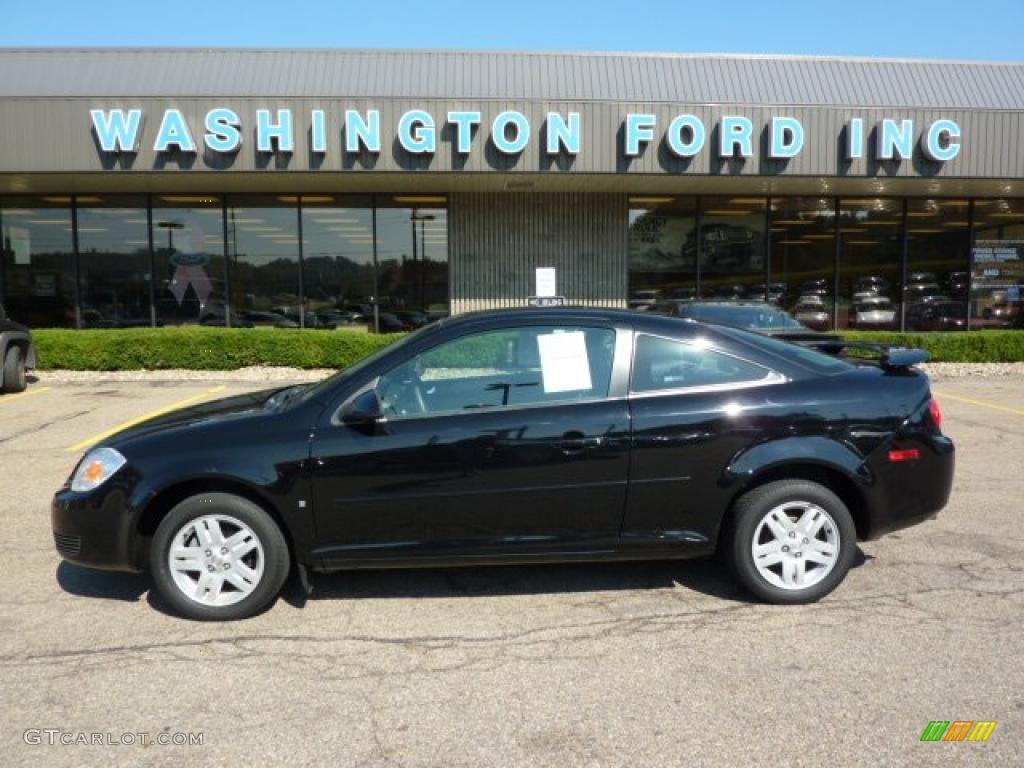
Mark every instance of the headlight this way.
pixel 96 468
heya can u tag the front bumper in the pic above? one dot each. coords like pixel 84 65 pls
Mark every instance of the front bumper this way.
pixel 96 529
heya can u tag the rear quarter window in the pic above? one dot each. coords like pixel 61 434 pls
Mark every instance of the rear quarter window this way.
pixel 665 364
pixel 797 354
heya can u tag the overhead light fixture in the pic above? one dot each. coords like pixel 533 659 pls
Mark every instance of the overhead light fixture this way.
pixel 337 221
pixel 261 229
pixel 88 200
pixel 851 230
pixel 725 212
pixel 822 236
pixel 188 199
pixel 1005 215
pixel 791 222
pixel 861 242
pixel 956 223
pixel 47 221
pixel 650 200
pixel 794 242
pixel 93 229
pixel 878 223
pixel 924 231
pixel 246 221
pixel 316 199
pixel 746 201
pixel 420 199
pixel 19 212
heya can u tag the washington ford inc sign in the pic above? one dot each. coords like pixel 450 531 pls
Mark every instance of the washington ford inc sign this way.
pixel 417 131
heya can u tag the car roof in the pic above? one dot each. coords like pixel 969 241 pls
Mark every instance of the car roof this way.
pixel 558 315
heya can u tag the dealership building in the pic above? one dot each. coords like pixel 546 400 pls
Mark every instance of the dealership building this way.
pixel 249 187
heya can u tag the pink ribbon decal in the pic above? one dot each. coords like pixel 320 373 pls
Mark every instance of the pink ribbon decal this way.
pixel 194 276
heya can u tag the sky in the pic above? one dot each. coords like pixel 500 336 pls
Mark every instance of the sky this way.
pixel 942 29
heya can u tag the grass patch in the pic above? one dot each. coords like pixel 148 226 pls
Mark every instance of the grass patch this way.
pixel 197 348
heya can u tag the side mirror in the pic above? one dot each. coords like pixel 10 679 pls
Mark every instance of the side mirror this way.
pixel 363 411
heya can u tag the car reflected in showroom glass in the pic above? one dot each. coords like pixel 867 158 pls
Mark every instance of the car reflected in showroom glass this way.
pixel 518 437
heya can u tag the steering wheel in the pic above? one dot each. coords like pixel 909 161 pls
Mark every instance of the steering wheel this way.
pixel 402 397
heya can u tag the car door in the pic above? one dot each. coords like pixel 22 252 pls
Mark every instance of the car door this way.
pixel 693 407
pixel 508 441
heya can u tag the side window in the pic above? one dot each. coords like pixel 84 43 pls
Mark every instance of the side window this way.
pixel 500 369
pixel 668 364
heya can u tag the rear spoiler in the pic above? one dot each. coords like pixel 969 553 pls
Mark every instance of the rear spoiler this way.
pixel 891 358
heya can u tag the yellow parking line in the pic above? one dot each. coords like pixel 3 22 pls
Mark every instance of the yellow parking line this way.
pixel 145 417
pixel 982 403
pixel 27 393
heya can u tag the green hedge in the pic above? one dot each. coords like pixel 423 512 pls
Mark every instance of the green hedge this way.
pixel 954 347
pixel 203 348
pixel 230 348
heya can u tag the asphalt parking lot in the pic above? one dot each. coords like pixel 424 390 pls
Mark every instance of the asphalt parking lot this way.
pixel 647 664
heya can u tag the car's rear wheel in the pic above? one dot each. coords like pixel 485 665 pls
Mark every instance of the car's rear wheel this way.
pixel 792 541
pixel 218 557
pixel 14 370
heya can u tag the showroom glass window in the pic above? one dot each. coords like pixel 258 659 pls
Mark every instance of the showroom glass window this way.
pixel 938 244
pixel 732 236
pixel 871 252
pixel 998 264
pixel 803 258
pixel 662 251
pixel 263 255
pixel 338 273
pixel 113 247
pixel 37 261
pixel 412 259
pixel 188 254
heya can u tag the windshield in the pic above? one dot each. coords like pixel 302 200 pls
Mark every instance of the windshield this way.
pixel 367 361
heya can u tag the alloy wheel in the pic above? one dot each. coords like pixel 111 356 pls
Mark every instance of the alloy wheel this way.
pixel 216 560
pixel 795 545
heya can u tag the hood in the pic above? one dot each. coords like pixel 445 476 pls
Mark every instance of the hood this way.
pixel 6 324
pixel 250 405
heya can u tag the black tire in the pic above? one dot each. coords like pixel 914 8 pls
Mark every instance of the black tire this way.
pixel 751 508
pixel 14 370
pixel 276 560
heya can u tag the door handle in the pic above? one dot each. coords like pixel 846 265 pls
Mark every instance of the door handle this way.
pixel 574 442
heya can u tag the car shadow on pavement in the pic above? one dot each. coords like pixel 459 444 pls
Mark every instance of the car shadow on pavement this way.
pixel 110 585
pixel 704 576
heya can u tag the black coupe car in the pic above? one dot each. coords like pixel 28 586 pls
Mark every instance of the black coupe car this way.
pixel 522 436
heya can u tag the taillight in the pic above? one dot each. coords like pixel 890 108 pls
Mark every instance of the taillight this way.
pixel 935 411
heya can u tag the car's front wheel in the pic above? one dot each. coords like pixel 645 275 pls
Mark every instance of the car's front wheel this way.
pixel 218 557
pixel 792 541
pixel 14 370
